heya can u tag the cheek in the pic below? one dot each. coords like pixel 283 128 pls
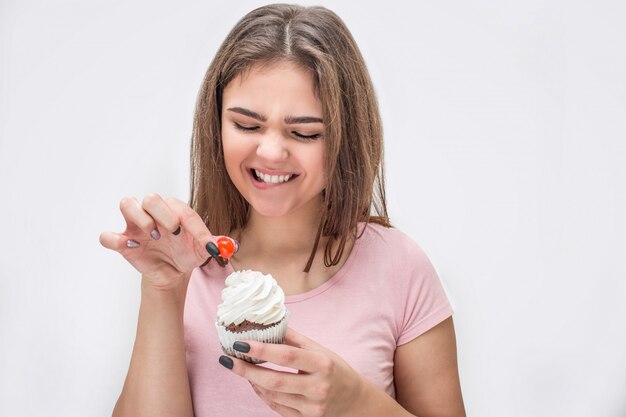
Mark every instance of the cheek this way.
pixel 233 156
pixel 233 145
pixel 315 167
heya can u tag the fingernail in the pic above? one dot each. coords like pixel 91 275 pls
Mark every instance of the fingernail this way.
pixel 132 243
pixel 155 234
pixel 226 362
pixel 177 231
pixel 241 347
pixel 212 249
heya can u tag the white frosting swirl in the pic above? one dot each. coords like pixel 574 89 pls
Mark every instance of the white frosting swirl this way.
pixel 250 295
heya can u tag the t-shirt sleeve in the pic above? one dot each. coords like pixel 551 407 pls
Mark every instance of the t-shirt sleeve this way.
pixel 422 302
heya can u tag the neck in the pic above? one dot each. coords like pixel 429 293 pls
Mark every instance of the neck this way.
pixel 282 245
pixel 292 235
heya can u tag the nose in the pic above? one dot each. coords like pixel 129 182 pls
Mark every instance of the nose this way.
pixel 272 147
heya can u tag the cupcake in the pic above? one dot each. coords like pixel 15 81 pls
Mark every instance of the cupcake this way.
pixel 253 308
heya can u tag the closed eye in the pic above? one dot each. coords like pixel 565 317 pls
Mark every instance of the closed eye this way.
pixel 296 134
pixel 246 128
pixel 306 137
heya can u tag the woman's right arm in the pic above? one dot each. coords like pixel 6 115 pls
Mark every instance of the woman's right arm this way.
pixel 157 383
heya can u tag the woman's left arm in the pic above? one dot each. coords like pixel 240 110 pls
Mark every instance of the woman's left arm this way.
pixel 426 374
pixel 326 385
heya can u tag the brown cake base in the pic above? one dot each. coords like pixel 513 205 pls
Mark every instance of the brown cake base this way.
pixel 248 330
pixel 247 325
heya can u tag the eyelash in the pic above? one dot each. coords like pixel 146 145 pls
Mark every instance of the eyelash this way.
pixel 298 135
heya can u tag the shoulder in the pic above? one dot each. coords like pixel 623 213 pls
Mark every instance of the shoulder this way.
pixel 404 266
pixel 393 245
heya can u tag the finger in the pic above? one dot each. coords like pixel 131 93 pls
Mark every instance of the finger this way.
pixel 114 241
pixel 296 339
pixel 280 354
pixel 136 216
pixel 194 225
pixel 292 401
pixel 269 379
pixel 156 207
pixel 284 410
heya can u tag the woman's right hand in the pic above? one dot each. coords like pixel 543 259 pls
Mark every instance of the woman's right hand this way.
pixel 165 239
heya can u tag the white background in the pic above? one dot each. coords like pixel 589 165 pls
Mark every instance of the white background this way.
pixel 505 152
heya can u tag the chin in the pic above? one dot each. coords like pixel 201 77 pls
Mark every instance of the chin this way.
pixel 270 210
pixel 281 207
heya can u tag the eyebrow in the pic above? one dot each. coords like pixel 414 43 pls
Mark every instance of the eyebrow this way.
pixel 294 120
pixel 290 120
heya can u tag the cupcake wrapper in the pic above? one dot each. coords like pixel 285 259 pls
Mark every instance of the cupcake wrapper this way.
pixel 273 334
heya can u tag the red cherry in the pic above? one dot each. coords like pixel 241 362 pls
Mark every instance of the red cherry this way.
pixel 226 246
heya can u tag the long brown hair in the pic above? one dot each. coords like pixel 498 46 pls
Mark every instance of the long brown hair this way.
pixel 316 39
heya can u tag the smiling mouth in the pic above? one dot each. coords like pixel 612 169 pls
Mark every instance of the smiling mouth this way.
pixel 271 179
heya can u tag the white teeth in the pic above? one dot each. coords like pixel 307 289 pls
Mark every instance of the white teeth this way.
pixel 272 179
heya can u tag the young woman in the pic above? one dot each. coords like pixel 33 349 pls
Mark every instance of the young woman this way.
pixel 287 158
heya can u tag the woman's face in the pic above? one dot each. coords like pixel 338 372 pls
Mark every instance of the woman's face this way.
pixel 272 135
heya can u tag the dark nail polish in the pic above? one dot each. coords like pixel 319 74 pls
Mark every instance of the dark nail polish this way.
pixel 241 347
pixel 176 232
pixel 226 362
pixel 212 249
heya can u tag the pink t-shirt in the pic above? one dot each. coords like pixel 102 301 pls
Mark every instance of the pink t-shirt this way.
pixel 386 294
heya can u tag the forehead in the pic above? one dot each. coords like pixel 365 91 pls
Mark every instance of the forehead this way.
pixel 273 83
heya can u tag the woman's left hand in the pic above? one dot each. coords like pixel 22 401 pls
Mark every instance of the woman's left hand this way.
pixel 325 384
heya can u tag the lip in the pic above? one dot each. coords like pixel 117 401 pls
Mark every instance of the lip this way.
pixel 266 186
